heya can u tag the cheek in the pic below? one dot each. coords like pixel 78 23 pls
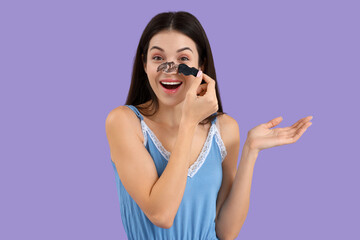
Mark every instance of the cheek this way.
pixel 154 64
pixel 152 77
pixel 152 71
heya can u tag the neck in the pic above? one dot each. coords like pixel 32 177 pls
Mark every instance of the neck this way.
pixel 168 116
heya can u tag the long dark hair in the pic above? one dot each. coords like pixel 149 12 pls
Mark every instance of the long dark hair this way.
pixel 140 90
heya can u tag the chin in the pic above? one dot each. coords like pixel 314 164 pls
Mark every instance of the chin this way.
pixel 171 102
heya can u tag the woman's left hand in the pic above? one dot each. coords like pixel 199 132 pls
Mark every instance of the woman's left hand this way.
pixel 262 137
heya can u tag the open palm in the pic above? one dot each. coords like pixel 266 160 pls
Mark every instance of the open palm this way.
pixel 262 137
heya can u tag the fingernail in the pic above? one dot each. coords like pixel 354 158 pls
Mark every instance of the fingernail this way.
pixel 199 73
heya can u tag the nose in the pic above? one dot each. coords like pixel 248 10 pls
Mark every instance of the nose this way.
pixel 168 67
pixel 171 72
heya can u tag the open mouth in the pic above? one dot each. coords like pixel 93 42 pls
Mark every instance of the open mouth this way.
pixel 171 86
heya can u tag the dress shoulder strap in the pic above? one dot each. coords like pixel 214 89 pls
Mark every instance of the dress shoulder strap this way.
pixel 218 139
pixel 136 111
pixel 143 124
pixel 214 120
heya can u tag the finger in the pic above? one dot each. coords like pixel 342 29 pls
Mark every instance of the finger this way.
pixel 196 82
pixel 274 122
pixel 201 89
pixel 301 124
pixel 297 127
pixel 210 88
pixel 297 123
pixel 304 124
pixel 300 132
pixel 290 130
pixel 301 121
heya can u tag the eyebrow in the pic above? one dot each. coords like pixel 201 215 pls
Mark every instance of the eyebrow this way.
pixel 181 49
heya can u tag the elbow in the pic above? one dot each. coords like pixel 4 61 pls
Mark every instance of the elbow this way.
pixel 167 225
pixel 228 233
pixel 160 217
pixel 162 221
pixel 225 237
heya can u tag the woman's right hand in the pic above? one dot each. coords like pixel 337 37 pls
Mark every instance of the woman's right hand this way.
pixel 200 101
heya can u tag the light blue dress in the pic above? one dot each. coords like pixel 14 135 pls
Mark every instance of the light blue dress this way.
pixel 195 219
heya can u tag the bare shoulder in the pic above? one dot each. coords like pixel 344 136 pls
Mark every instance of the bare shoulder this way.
pixel 229 129
pixel 120 114
pixel 123 115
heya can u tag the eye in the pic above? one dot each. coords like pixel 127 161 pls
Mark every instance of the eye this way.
pixel 156 57
pixel 183 58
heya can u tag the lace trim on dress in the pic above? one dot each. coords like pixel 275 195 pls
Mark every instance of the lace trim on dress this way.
pixel 221 144
pixel 143 128
pixel 219 141
pixel 157 143
pixel 204 153
pixel 166 154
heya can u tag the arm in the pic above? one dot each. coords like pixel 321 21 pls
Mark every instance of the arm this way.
pixel 168 191
pixel 158 197
pixel 234 210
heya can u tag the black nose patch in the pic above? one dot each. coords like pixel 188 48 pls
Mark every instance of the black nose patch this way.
pixel 181 68
pixel 186 70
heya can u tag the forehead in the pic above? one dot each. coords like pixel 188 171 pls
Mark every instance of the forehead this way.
pixel 171 40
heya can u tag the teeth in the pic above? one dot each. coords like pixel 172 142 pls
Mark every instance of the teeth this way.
pixel 171 83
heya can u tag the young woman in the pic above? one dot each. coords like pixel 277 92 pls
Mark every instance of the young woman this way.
pixel 175 152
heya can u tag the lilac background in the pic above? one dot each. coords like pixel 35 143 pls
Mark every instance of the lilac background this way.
pixel 64 65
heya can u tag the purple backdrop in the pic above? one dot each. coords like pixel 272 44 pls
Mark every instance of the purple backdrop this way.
pixel 64 65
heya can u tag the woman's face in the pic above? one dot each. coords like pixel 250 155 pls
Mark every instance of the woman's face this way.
pixel 170 46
